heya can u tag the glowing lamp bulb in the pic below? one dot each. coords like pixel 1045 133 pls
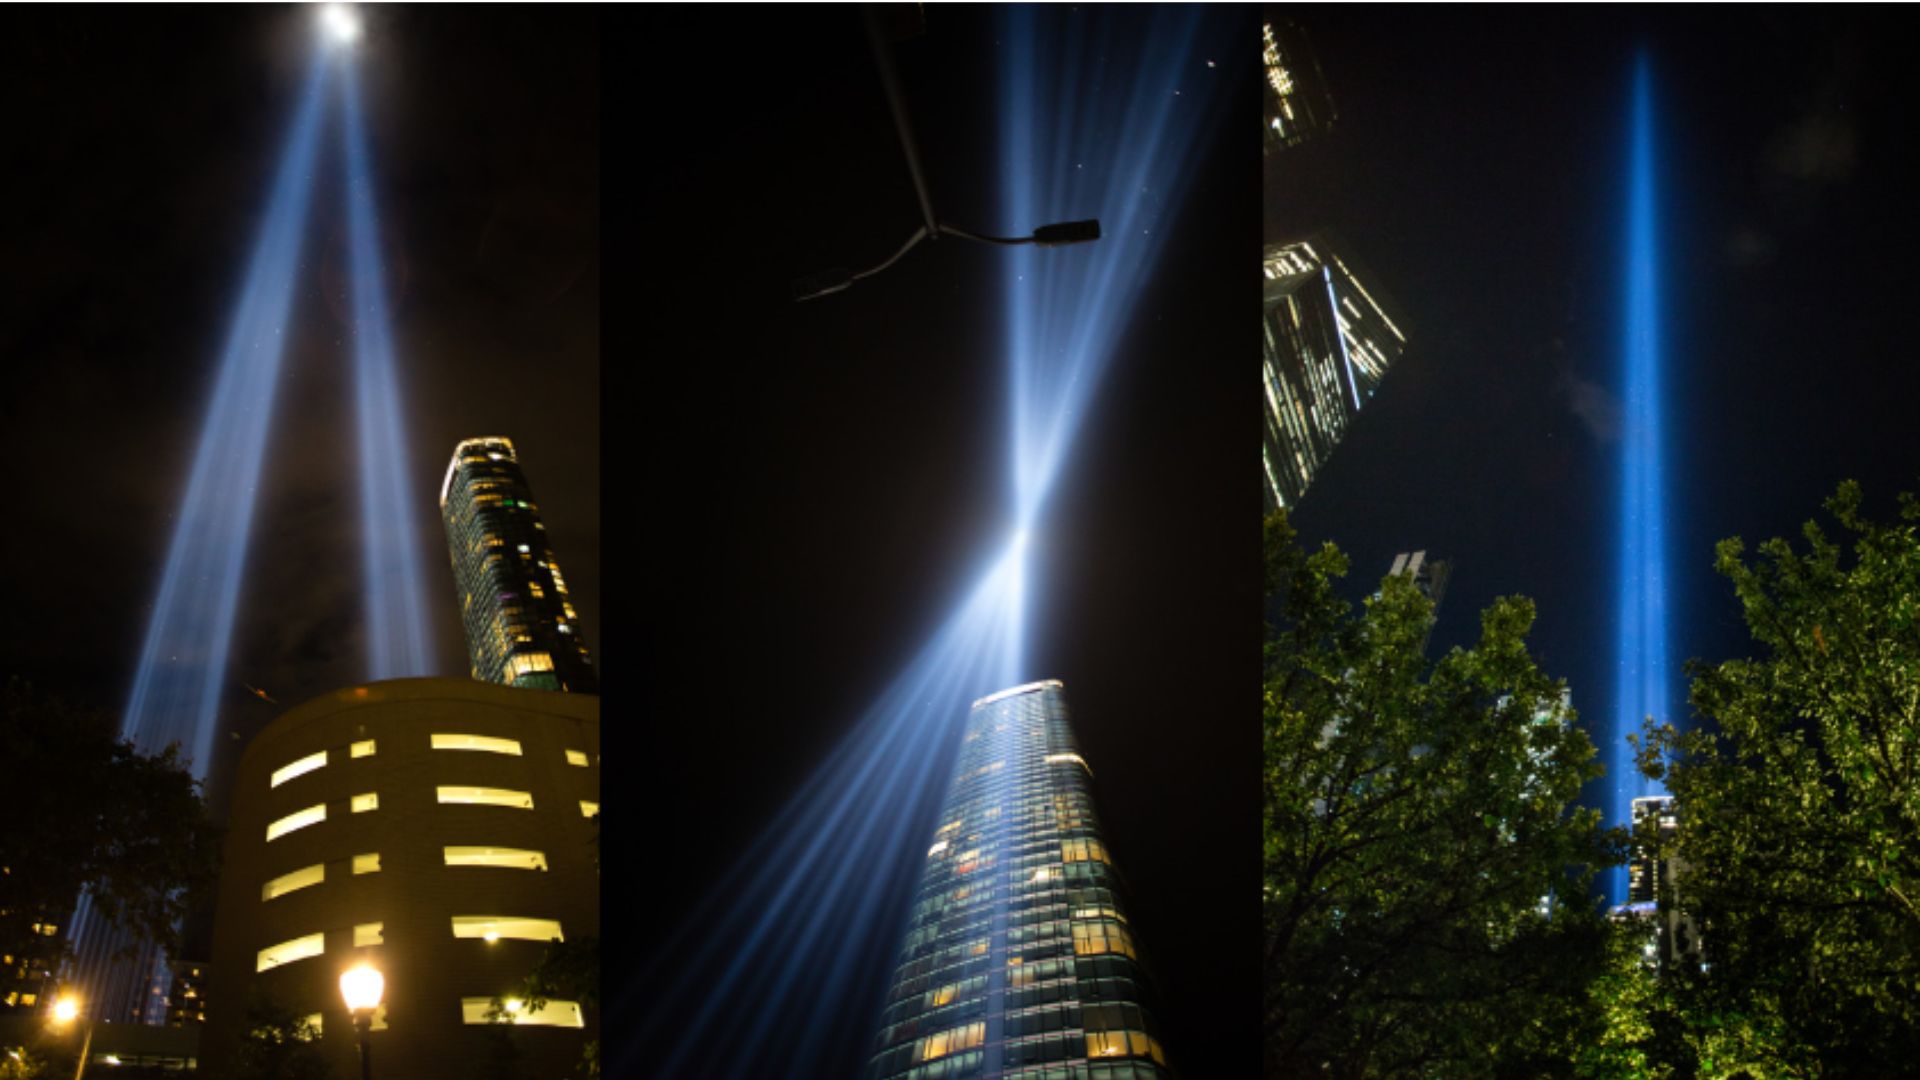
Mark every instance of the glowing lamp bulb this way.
pixel 362 987
pixel 66 1009
pixel 339 23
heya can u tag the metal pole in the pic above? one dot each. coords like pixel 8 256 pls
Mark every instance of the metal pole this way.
pixel 86 1046
pixel 363 1023
pixel 897 98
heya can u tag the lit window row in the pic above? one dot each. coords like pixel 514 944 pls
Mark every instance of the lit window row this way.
pixel 950 1042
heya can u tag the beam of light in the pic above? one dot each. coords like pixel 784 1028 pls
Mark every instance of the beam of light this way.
pixel 785 967
pixel 812 912
pixel 1642 688
pixel 397 639
pixel 1096 123
pixel 181 676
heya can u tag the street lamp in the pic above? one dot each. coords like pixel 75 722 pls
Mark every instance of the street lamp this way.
pixel 65 1011
pixel 835 280
pixel 362 987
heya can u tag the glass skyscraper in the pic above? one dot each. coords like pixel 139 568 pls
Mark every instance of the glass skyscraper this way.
pixel 1328 344
pixel 522 629
pixel 1019 961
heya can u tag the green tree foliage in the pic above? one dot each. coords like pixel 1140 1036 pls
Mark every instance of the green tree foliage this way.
pixel 1800 810
pixel 279 1045
pixel 21 1063
pixel 85 809
pixel 1417 813
pixel 568 971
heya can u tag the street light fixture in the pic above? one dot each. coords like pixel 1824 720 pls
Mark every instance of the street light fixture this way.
pixel 66 1011
pixel 832 281
pixel 363 986
pixel 1057 235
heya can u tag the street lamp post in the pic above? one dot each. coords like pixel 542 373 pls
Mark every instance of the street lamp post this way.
pixel 65 1011
pixel 833 281
pixel 362 986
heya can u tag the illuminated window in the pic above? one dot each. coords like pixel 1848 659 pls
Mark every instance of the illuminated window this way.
pixel 367 864
pixel 1083 850
pixel 299 879
pixel 528 663
pixel 1094 938
pixel 292 769
pixel 589 809
pixel 485 743
pixel 362 749
pixel 367 933
pixel 576 757
pixel 1056 759
pixel 942 996
pixel 287 952
pixel 474 1010
pixel 495 927
pixel 299 819
pixel 950 1042
pixel 486 796
pixel 510 858
pixel 369 801
pixel 28 999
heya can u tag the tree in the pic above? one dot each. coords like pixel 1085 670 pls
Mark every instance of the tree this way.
pixel 86 809
pixel 1800 809
pixel 567 971
pixel 280 1044
pixel 1426 871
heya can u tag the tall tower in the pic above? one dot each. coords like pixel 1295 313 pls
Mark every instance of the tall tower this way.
pixel 1297 106
pixel 1018 951
pixel 1328 344
pixel 521 627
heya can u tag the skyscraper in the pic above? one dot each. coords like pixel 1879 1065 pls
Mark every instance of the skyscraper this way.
pixel 522 629
pixel 1328 345
pixel 1297 104
pixel 1019 961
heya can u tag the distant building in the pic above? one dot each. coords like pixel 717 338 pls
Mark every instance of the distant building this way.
pixel 522 629
pixel 1654 877
pixel 1328 343
pixel 1019 959
pixel 1297 104
pixel 440 830
pixel 27 982
pixel 187 997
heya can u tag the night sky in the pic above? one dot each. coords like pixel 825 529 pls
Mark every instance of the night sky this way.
pixel 1478 169
pixel 823 479
pixel 140 146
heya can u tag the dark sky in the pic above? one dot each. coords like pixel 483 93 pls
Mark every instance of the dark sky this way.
pixel 1478 169
pixel 140 144
pixel 825 478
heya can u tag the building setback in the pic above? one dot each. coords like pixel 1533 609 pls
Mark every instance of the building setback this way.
pixel 441 830
pixel 521 627
pixel 1328 343
pixel 1019 961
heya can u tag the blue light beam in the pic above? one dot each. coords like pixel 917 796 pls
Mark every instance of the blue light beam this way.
pixel 786 964
pixel 1642 689
pixel 181 676
pixel 815 907
pixel 397 637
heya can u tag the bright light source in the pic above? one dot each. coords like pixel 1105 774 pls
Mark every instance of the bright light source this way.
pixel 339 23
pixel 362 987
pixel 66 1009
pixel 1019 539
